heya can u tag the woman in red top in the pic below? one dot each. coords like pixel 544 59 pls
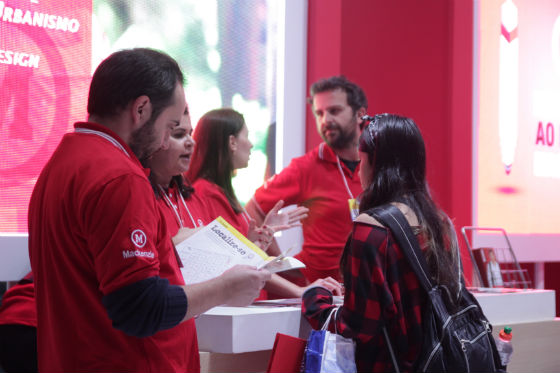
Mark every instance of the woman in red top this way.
pixel 223 146
pixel 380 286
pixel 181 206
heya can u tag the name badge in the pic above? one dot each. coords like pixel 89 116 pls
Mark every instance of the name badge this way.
pixel 354 207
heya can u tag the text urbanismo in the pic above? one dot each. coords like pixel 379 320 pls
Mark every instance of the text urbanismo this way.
pixel 37 19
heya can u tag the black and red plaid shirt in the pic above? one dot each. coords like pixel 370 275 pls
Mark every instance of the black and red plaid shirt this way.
pixel 380 289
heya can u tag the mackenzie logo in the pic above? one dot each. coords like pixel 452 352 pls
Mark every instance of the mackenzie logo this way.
pixel 129 254
pixel 138 238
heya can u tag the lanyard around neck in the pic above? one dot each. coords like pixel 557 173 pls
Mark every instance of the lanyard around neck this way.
pixel 245 216
pixel 344 178
pixel 104 135
pixel 175 208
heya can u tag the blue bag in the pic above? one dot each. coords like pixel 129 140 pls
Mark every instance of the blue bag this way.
pixel 328 352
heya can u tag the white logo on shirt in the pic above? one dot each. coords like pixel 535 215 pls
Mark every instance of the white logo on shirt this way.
pixel 138 238
pixel 137 253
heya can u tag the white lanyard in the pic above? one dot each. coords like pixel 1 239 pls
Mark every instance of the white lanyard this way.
pixel 344 177
pixel 245 215
pixel 175 208
pixel 103 135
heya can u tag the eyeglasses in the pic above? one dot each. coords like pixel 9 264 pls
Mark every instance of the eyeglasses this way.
pixel 371 138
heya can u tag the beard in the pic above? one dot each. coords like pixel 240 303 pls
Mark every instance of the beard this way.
pixel 143 141
pixel 342 139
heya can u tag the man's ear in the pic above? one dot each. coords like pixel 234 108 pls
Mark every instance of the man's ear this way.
pixel 141 111
pixel 359 114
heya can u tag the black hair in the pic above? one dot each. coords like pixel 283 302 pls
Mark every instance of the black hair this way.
pixel 354 94
pixel 184 187
pixel 397 154
pixel 128 74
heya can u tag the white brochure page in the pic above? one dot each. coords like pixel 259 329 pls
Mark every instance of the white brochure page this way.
pixel 214 249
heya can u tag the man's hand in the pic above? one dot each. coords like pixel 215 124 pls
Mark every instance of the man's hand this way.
pixel 243 283
pixel 278 221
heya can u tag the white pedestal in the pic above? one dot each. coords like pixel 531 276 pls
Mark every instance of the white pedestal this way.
pixel 245 329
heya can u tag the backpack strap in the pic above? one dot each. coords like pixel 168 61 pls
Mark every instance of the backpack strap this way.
pixel 391 352
pixel 391 217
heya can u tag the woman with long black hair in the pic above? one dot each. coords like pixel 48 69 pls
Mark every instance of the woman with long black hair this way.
pixel 223 146
pixel 381 288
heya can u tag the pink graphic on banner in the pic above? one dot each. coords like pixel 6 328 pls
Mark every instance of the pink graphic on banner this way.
pixel 45 64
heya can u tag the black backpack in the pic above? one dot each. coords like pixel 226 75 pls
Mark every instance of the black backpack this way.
pixel 457 341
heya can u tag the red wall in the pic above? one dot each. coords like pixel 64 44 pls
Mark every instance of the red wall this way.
pixel 412 58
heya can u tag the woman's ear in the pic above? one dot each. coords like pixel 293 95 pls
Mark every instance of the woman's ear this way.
pixel 232 143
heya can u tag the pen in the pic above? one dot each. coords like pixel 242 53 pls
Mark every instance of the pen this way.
pixel 277 259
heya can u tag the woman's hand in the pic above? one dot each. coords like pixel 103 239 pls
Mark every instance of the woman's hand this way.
pixel 328 283
pixel 278 221
pixel 260 236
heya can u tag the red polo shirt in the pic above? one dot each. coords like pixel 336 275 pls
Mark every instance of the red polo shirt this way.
pixel 315 181
pixel 218 205
pixel 95 227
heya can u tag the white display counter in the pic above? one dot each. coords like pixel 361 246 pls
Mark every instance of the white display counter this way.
pixel 519 307
pixel 247 329
pixel 240 338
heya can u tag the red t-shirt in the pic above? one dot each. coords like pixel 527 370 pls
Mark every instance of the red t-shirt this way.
pixel 18 304
pixel 95 227
pixel 218 205
pixel 315 181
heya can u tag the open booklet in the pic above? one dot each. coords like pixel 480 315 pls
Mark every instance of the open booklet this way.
pixel 218 246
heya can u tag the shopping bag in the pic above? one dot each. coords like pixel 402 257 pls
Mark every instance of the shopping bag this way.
pixel 287 354
pixel 328 352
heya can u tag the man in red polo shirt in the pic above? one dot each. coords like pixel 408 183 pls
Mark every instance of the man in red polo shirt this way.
pixel 110 295
pixel 325 180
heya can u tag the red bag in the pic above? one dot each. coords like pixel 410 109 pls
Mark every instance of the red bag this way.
pixel 287 354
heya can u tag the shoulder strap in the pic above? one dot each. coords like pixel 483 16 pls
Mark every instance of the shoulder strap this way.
pixel 390 348
pixel 390 216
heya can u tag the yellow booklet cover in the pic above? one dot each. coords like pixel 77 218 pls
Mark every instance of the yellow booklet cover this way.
pixel 219 246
